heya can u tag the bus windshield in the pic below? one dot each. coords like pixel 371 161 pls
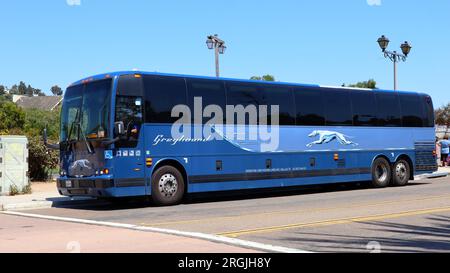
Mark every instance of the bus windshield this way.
pixel 88 105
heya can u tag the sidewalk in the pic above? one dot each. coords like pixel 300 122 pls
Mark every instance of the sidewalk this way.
pixel 44 196
pixel 31 235
pixel 441 172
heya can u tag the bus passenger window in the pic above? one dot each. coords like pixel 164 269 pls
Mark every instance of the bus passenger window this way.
pixel 388 109
pixel 364 108
pixel 309 107
pixel 412 110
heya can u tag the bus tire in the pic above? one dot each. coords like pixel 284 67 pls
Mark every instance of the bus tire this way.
pixel 167 186
pixel 400 173
pixel 381 173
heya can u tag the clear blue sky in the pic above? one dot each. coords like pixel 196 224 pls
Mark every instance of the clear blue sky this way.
pixel 324 41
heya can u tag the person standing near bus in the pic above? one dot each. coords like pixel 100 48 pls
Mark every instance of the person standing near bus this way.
pixel 445 150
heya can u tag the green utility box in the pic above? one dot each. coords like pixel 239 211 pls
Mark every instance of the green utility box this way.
pixel 13 163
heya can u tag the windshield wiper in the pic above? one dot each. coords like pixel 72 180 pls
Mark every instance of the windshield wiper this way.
pixel 86 142
pixel 77 123
pixel 68 141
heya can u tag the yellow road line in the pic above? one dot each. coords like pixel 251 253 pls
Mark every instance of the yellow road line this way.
pixel 335 222
pixel 359 205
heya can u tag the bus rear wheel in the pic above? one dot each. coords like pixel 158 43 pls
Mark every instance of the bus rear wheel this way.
pixel 167 186
pixel 400 173
pixel 381 173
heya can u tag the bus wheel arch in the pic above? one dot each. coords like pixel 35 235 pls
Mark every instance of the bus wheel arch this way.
pixel 170 165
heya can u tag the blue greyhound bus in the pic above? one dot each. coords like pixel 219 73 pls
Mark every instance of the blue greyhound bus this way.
pixel 116 138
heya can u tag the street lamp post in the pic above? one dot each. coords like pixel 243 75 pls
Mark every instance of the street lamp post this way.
pixel 213 42
pixel 395 57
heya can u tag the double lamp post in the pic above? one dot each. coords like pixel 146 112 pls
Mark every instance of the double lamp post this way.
pixel 214 42
pixel 395 57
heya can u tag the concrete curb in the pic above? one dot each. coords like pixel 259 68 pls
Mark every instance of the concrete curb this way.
pixel 27 205
pixel 438 174
pixel 40 204
pixel 432 175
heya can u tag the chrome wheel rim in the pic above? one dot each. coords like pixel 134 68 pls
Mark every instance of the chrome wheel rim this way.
pixel 400 170
pixel 168 185
pixel 381 173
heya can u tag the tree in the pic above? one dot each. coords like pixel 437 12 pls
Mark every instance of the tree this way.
pixel 442 115
pixel 14 90
pixel 11 116
pixel 38 92
pixel 267 78
pixel 36 120
pixel 371 83
pixel 2 90
pixel 29 91
pixel 56 90
pixel 22 88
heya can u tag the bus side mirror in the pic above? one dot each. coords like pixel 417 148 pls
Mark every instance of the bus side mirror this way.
pixel 45 139
pixel 119 128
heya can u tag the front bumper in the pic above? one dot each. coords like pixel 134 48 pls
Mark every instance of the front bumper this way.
pixel 85 187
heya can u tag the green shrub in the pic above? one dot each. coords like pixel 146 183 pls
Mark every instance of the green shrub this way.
pixel 40 159
pixel 13 190
pixel 27 189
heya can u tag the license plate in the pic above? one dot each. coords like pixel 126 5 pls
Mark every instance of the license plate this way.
pixel 68 184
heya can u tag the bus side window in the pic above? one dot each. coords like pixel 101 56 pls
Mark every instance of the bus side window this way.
pixel 337 107
pixel 162 94
pixel 388 109
pixel 428 110
pixel 412 110
pixel 246 95
pixel 364 108
pixel 212 92
pixel 309 106
pixel 129 110
pixel 281 96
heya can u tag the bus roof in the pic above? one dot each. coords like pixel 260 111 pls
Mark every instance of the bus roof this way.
pixel 120 73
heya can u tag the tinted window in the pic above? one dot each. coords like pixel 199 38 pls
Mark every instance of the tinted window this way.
pixel 161 95
pixel 129 111
pixel 338 110
pixel 281 96
pixel 96 108
pixel 412 110
pixel 129 85
pixel 364 108
pixel 428 110
pixel 388 109
pixel 309 106
pixel 245 95
pixel 73 100
pixel 211 92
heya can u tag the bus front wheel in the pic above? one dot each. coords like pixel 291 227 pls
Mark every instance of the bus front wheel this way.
pixel 400 173
pixel 381 172
pixel 167 186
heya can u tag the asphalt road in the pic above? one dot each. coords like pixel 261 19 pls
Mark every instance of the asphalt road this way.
pixel 355 218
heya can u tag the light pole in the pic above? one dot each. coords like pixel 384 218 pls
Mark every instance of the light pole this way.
pixel 213 42
pixel 395 57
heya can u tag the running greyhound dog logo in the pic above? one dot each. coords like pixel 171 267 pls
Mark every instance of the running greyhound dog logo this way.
pixel 328 136
pixel 82 163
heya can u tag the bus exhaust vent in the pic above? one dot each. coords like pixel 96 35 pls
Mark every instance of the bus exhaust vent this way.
pixel 425 160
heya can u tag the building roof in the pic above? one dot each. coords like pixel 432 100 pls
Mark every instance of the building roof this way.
pixel 39 102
